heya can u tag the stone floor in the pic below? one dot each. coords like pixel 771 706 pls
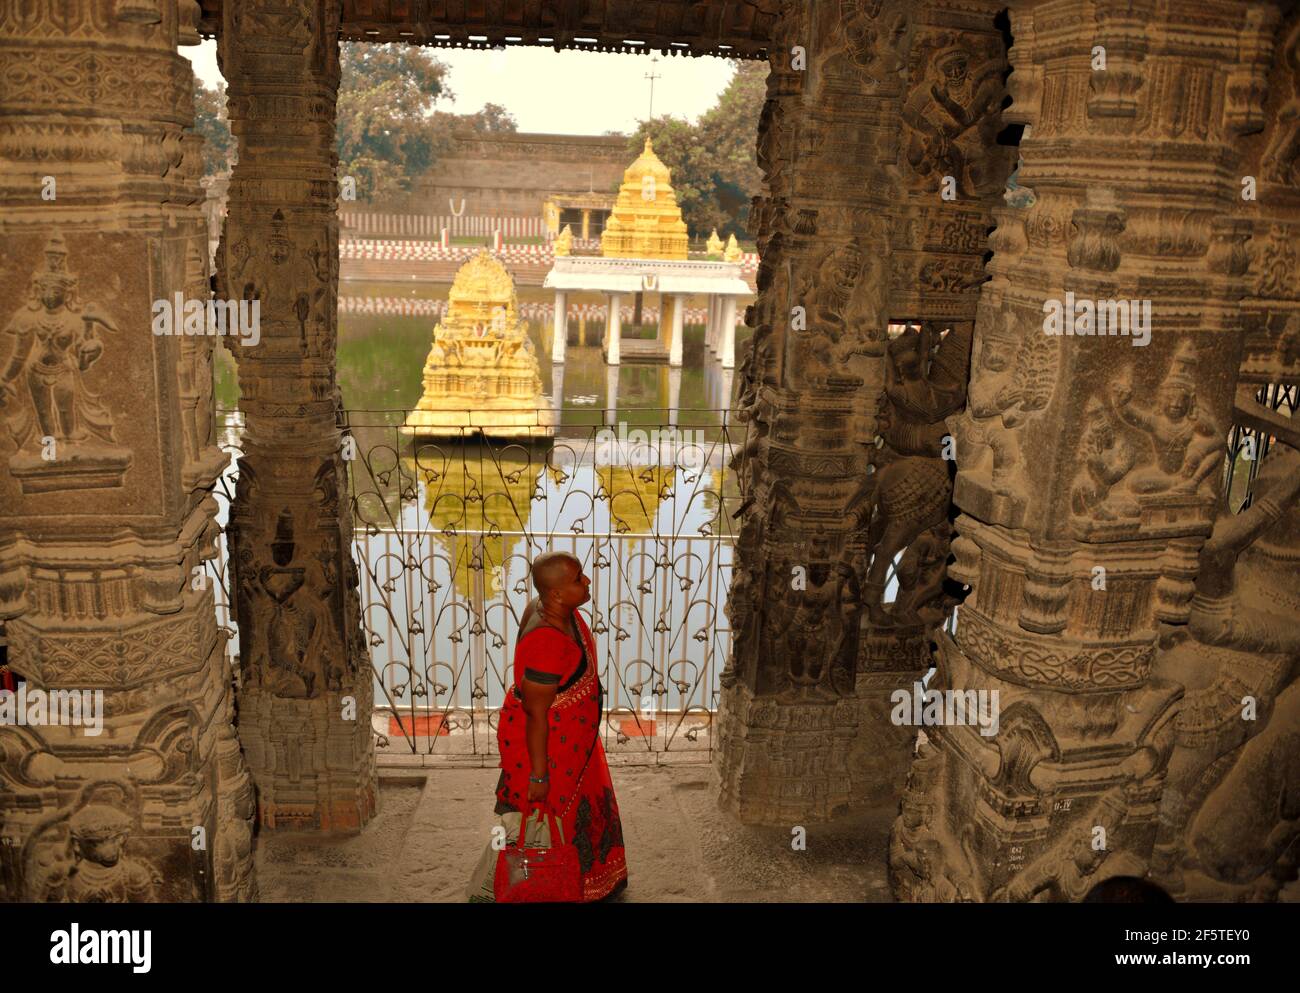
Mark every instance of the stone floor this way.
pixel 433 825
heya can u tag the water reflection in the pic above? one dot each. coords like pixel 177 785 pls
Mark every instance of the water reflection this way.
pixel 446 535
pixel 445 529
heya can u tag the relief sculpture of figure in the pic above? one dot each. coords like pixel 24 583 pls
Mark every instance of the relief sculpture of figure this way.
pixel 1279 162
pixel 953 118
pixel 910 492
pixel 1230 820
pixel 297 626
pixel 1107 456
pixel 96 868
pixel 871 42
pixel 42 387
pixel 1012 379
pixel 1078 861
pixel 1186 446
pixel 813 631
pixel 837 305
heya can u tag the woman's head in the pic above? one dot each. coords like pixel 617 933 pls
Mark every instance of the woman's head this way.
pixel 559 580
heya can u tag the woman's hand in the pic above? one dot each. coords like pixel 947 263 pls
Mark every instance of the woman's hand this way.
pixel 537 792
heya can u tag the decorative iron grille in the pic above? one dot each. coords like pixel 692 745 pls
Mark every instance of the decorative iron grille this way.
pixel 445 530
pixel 1248 446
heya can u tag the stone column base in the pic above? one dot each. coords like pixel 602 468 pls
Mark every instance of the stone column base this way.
pixel 789 763
pixel 324 765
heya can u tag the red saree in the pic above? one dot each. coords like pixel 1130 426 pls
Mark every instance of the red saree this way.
pixel 582 799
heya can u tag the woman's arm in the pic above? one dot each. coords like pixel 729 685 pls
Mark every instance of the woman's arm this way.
pixel 537 701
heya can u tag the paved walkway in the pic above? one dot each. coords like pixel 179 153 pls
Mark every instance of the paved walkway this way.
pixel 432 827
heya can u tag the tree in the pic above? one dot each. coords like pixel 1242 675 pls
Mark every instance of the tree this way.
pixel 730 131
pixel 389 132
pixel 714 163
pixel 386 99
pixel 210 121
pixel 492 119
pixel 677 143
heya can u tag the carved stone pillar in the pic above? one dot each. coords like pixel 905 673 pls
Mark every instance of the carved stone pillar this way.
pixel 790 714
pixel 107 464
pixel 1226 827
pixel 306 686
pixel 1088 468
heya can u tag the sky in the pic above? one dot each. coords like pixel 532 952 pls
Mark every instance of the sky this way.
pixel 560 92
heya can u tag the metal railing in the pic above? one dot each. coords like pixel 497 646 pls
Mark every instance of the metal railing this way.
pixel 445 530
pixel 1248 446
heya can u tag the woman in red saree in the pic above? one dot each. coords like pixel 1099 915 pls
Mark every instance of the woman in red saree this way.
pixel 549 731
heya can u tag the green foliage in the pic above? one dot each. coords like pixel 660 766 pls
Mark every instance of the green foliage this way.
pixel 389 132
pixel 714 166
pixel 386 99
pixel 210 121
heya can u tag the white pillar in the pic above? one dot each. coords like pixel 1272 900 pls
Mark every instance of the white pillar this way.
pixel 560 334
pixel 665 339
pixel 611 394
pixel 675 348
pixel 613 328
pixel 557 391
pixel 728 352
pixel 674 394
pixel 714 319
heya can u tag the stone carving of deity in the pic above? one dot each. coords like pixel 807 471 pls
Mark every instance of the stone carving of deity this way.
pixel 53 417
pixel 909 494
pixel 1012 379
pixel 1279 162
pixel 871 42
pixel 98 869
pixel 952 116
pixel 1230 820
pixel 1186 448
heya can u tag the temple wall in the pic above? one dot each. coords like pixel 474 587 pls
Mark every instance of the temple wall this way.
pixel 514 174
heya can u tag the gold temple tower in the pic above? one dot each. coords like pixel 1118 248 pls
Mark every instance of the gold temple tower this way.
pixel 482 371
pixel 646 222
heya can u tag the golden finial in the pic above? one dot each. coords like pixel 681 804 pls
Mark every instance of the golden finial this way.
pixel 733 250
pixel 563 244
pixel 715 246
pixel 646 222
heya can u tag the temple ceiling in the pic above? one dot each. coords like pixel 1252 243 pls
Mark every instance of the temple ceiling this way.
pixel 728 28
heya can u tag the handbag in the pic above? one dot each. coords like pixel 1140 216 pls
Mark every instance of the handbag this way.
pixel 527 874
pixel 531 874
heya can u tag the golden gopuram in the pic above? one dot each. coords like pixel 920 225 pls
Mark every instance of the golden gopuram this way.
pixel 646 222
pixel 481 375
pixel 644 248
